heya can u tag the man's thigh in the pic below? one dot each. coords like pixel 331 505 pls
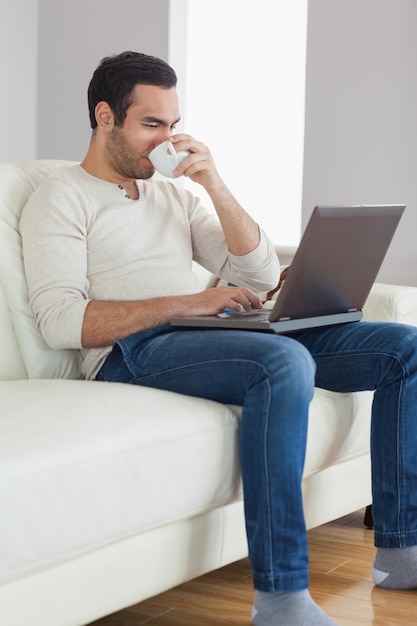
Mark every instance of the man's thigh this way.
pixel 215 364
pixel 356 356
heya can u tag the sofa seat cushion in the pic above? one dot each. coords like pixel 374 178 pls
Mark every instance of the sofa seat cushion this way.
pixel 84 464
pixel 91 463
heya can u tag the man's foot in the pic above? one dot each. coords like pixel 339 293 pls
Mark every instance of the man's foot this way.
pixel 395 568
pixel 295 608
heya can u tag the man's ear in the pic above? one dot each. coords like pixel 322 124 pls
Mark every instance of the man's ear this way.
pixel 104 117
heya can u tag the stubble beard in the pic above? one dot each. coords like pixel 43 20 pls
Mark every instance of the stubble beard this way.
pixel 125 158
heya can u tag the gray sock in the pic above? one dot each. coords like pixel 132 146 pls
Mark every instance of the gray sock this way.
pixel 396 568
pixel 295 608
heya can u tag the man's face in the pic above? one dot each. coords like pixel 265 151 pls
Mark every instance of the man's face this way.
pixel 150 120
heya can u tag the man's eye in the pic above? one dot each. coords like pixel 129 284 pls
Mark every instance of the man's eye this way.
pixel 151 125
pixel 173 127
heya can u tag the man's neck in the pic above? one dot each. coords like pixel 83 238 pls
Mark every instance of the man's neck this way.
pixel 95 167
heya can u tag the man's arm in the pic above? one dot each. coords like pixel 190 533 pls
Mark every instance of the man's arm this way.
pixel 240 229
pixel 105 322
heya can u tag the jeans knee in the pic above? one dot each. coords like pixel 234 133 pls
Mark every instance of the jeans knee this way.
pixel 295 364
pixel 408 349
pixel 403 340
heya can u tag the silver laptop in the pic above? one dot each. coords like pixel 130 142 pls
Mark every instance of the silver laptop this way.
pixel 331 275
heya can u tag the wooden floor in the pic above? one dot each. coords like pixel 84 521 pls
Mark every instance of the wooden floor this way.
pixel 341 556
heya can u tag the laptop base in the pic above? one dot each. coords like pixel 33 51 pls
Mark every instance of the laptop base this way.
pixel 281 326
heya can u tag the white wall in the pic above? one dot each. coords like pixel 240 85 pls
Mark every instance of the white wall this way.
pixel 18 76
pixel 361 92
pixel 361 115
pixel 73 37
pixel 245 93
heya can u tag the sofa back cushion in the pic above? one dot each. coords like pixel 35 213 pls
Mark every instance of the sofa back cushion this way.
pixel 24 352
pixel 11 364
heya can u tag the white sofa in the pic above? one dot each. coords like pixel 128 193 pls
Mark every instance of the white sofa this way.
pixel 110 494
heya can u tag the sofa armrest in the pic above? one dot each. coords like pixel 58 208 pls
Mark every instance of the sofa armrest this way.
pixel 391 303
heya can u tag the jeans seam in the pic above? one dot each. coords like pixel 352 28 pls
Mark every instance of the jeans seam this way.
pixel 267 484
pixel 193 366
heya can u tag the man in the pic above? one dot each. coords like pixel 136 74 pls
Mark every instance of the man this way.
pixel 108 252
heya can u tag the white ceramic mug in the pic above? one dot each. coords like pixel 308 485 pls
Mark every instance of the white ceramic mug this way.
pixel 165 159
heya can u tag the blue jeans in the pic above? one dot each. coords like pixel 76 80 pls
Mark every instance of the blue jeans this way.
pixel 273 377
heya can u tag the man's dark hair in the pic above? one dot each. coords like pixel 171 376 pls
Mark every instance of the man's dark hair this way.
pixel 116 77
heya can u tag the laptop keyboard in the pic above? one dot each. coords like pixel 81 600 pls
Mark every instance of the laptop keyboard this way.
pixel 258 315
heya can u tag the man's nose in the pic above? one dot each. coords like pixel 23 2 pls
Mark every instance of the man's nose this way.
pixel 164 135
